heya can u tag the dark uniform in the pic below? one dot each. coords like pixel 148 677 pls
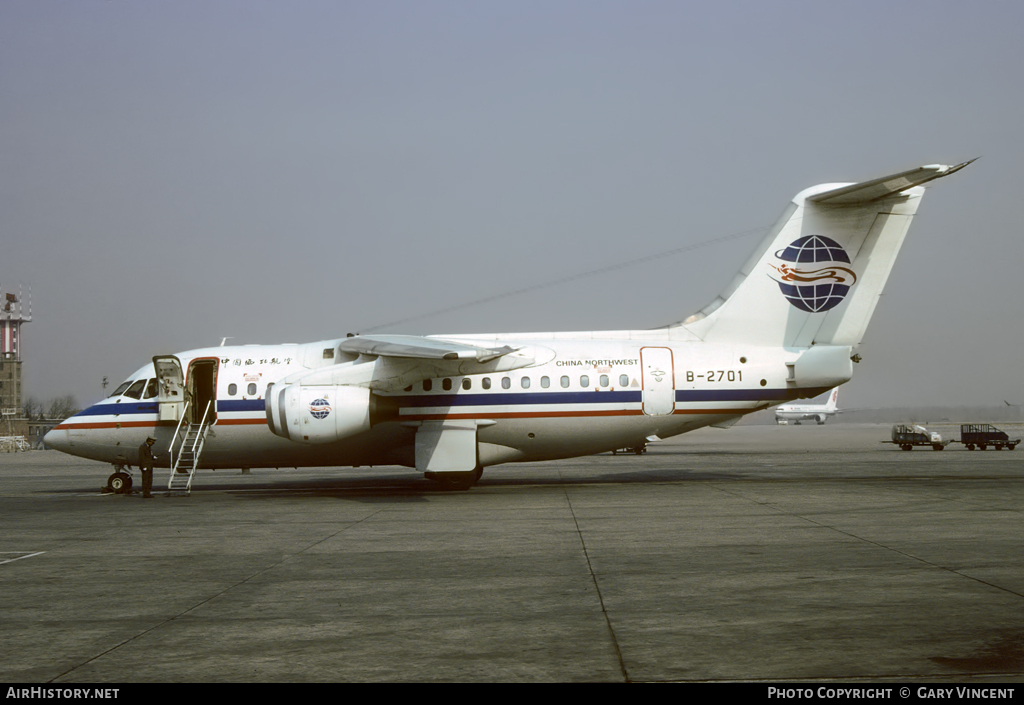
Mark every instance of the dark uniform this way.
pixel 146 466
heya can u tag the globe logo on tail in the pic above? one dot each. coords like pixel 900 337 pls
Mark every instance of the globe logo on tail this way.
pixel 813 273
pixel 319 408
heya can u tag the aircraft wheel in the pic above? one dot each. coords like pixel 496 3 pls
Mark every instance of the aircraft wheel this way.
pixel 120 483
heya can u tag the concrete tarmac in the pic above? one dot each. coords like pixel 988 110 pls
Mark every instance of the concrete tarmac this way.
pixel 798 553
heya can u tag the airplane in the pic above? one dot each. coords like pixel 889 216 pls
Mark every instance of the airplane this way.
pixel 807 412
pixel 786 328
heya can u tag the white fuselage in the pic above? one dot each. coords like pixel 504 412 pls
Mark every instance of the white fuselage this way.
pixel 808 412
pixel 581 396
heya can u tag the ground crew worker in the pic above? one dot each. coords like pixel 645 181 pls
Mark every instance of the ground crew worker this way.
pixel 146 459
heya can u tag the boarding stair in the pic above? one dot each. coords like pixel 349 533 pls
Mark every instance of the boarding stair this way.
pixel 189 439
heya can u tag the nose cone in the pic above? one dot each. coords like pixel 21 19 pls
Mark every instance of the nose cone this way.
pixel 57 439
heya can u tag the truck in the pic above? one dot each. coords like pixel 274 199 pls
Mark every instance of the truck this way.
pixel 907 436
pixel 983 435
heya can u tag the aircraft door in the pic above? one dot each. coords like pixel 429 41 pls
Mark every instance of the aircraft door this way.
pixel 170 388
pixel 659 392
pixel 202 390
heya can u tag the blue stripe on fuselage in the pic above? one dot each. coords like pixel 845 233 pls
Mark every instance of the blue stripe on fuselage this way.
pixel 502 398
pixel 512 398
pixel 145 407
pixel 225 405
pixel 686 395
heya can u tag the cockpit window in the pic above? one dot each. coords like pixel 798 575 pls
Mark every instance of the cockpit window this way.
pixel 120 390
pixel 135 391
pixel 151 390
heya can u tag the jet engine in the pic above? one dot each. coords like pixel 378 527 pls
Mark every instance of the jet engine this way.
pixel 317 414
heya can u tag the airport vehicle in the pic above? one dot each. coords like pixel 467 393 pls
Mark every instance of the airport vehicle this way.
pixel 983 435
pixel 635 450
pixel 908 436
pixel 785 328
pixel 807 412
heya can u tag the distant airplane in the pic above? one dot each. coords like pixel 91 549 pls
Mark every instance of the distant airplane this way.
pixel 786 328
pixel 808 412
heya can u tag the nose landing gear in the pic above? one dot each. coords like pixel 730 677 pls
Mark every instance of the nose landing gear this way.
pixel 120 482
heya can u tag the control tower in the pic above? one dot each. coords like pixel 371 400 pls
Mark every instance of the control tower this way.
pixel 13 315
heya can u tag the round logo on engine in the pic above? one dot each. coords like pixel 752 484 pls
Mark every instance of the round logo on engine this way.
pixel 319 408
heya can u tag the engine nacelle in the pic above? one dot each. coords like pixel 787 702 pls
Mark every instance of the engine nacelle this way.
pixel 320 414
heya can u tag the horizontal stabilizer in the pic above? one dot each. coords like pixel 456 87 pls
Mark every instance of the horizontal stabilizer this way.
pixel 413 346
pixel 876 189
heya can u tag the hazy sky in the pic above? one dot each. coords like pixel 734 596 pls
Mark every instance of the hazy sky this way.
pixel 177 172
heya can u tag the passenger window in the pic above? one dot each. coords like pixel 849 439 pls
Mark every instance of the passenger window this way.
pixel 584 381
pixel 446 384
pixel 466 384
pixel 486 383
pixel 151 390
pixel 623 380
pixel 564 382
pixel 135 391
pixel 525 381
pixel 428 385
pixel 506 383
pixel 545 382
pixel 251 389
pixel 232 389
pixel 604 380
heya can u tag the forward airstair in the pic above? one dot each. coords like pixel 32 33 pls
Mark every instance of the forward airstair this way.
pixel 189 439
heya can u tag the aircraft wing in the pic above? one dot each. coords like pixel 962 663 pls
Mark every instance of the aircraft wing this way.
pixel 396 361
pixel 416 347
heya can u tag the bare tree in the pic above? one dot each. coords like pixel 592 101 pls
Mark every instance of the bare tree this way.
pixel 32 408
pixel 62 407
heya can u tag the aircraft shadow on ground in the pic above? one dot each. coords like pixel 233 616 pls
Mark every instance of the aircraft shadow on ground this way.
pixel 412 487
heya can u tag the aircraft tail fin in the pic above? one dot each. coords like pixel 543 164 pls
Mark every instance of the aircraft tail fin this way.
pixel 816 277
pixel 833 400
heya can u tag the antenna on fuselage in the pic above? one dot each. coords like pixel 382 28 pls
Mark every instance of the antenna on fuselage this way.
pixel 226 339
pixel 573 277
